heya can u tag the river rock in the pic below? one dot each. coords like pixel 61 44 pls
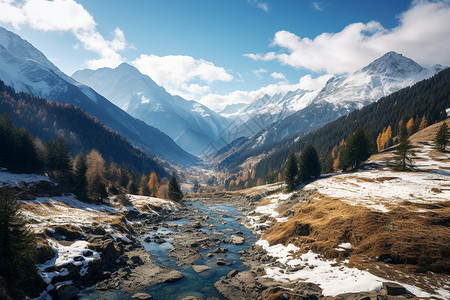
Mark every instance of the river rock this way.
pixel 220 262
pixel 200 268
pixel 142 296
pixel 393 288
pixel 66 291
pixel 237 240
pixel 220 250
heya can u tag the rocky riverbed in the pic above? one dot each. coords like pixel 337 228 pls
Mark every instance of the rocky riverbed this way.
pixel 200 250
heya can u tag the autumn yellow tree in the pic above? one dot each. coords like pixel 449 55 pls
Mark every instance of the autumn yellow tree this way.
pixel 423 123
pixel 384 138
pixel 153 184
pixel 410 126
pixel 95 176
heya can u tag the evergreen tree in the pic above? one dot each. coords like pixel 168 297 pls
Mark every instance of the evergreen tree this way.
pixel 133 187
pixel 17 247
pixel 80 183
pixel 174 192
pixel 291 172
pixel 442 137
pixel 403 154
pixel 143 186
pixel 96 177
pixel 153 184
pixel 357 150
pixel 58 160
pixel 309 165
pixel 197 186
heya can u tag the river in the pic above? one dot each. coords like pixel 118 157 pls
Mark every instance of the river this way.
pixel 226 220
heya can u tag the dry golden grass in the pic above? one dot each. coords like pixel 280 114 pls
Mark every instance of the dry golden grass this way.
pixel 420 239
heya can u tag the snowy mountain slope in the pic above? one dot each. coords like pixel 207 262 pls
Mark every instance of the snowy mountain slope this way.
pixel 26 69
pixel 192 125
pixel 341 95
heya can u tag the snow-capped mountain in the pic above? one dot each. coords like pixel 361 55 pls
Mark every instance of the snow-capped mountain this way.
pixel 26 69
pixel 299 112
pixel 192 125
pixel 382 77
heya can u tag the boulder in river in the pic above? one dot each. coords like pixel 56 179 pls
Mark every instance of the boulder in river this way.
pixel 142 296
pixel 237 240
pixel 200 268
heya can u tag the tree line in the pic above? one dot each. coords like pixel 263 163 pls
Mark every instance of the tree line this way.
pixel 89 176
pixel 82 132
pixel 414 107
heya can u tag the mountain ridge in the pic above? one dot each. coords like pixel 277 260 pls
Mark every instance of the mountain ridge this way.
pixel 26 69
pixel 192 125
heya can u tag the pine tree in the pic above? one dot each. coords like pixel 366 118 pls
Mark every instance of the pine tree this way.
pixel 80 183
pixel 403 154
pixel 153 184
pixel 196 186
pixel 17 247
pixel 132 187
pixel 174 192
pixel 143 186
pixel 291 172
pixel 357 150
pixel 309 165
pixel 96 177
pixel 442 137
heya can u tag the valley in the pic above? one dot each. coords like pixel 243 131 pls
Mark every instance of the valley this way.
pixel 213 150
pixel 255 243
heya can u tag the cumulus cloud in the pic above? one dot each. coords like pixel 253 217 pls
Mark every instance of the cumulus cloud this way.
pixel 65 16
pixel 258 72
pixel 259 4
pixel 277 75
pixel 176 72
pixel 423 34
pixel 218 102
pixel 317 6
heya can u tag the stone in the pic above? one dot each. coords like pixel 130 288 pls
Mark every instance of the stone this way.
pixel 232 273
pixel 220 250
pixel 88 253
pixel 200 268
pixel 237 240
pixel 393 288
pixel 66 291
pixel 78 258
pixel 142 296
pixel 210 255
pixel 220 262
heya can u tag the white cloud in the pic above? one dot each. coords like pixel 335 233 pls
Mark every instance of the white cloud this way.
pixel 317 6
pixel 258 72
pixel 277 75
pixel 423 34
pixel 66 16
pixel 218 102
pixel 176 72
pixel 259 4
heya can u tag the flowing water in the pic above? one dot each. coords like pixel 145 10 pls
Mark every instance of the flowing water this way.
pixel 226 220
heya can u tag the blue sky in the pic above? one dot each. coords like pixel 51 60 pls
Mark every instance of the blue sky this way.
pixel 221 52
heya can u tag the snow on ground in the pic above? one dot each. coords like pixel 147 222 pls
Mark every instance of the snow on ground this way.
pixel 267 209
pixel 140 201
pixel 332 277
pixel 54 211
pixel 15 180
pixel 77 254
pixel 378 189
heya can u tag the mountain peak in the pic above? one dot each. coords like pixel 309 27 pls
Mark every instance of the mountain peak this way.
pixel 393 64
